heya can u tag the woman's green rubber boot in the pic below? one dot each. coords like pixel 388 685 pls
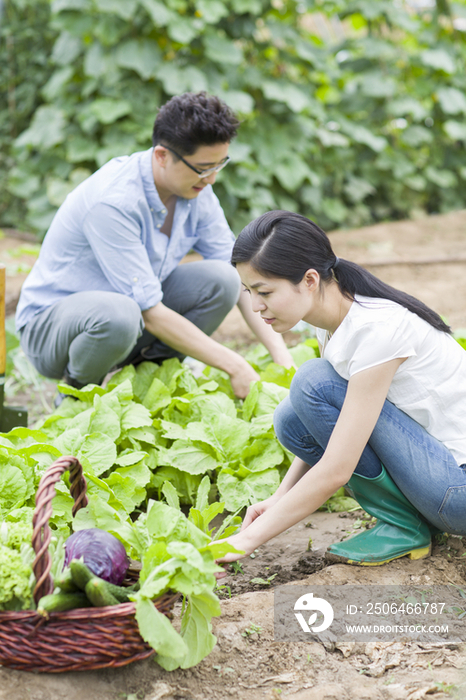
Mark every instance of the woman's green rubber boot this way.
pixel 400 529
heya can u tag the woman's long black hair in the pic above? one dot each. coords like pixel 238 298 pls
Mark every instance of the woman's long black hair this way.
pixel 285 245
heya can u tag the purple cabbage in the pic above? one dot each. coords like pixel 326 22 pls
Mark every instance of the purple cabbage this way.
pixel 102 553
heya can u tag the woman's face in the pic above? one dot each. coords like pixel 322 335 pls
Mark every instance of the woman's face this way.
pixel 281 304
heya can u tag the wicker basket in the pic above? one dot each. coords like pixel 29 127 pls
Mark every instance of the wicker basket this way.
pixel 82 639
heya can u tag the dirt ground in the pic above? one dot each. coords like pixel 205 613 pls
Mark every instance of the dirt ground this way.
pixel 416 256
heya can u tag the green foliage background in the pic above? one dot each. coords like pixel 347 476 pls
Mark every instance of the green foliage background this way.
pixel 368 126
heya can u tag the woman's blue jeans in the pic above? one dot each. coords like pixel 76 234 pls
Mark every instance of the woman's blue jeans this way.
pixel 421 466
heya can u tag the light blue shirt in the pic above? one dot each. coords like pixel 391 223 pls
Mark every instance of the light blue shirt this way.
pixel 106 237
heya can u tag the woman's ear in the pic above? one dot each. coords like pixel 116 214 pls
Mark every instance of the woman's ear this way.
pixel 311 279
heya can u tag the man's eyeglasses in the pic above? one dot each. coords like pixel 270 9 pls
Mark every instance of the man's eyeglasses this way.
pixel 201 173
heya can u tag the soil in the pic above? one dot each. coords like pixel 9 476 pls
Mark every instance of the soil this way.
pixel 247 662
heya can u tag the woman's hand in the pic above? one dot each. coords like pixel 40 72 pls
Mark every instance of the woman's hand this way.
pixel 240 542
pixel 256 510
pixel 243 540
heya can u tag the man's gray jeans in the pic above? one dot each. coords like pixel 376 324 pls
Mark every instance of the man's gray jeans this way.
pixel 89 333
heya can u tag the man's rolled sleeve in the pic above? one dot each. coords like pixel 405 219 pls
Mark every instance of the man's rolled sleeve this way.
pixel 115 239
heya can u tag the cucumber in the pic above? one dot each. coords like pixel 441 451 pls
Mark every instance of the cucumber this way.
pixel 65 582
pixel 80 573
pixel 99 594
pixel 119 592
pixel 59 602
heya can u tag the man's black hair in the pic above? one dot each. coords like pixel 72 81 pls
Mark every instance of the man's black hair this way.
pixel 194 119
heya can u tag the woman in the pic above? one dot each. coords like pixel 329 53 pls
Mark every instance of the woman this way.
pixel 383 411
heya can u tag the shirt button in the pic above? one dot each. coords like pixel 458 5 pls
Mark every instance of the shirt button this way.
pixel 151 209
pixel 164 211
pixel 135 279
pixel 159 225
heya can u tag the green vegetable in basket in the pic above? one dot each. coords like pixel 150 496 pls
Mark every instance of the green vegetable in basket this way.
pixel 15 575
pixel 65 582
pixel 59 602
pixel 81 575
pixel 99 594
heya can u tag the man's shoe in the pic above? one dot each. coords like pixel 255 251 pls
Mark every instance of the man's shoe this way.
pixel 58 400
pixel 400 529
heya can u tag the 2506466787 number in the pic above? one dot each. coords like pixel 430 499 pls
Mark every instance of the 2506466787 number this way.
pixel 404 608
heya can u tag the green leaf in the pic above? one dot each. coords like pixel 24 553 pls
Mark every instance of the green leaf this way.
pixel 263 398
pixel 59 79
pixel 187 458
pixel 182 29
pixel 212 10
pixel 100 452
pixel 452 100
pixel 186 484
pixel 416 135
pixel 104 419
pixel 361 134
pixel 47 129
pixel 239 101
pixel 295 98
pixel 222 50
pixel 455 130
pixel 377 84
pixel 202 498
pixel 214 404
pixel 87 393
pixel 123 8
pixel 171 495
pixel 13 487
pixel 438 59
pixel 238 493
pixel 22 184
pixel 162 520
pixel 442 178
pixel 107 110
pixel 334 209
pixel 229 434
pixel 358 189
pixel 158 11
pixel 196 631
pixel 157 397
pixel 66 49
pixel 69 442
pixel 292 172
pixel 157 630
pixel 332 138
pixel 140 55
pixel 262 454
pixel 135 416
pixel 407 105
pixel 128 485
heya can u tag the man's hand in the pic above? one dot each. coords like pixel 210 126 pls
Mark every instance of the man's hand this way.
pixel 283 357
pixel 241 380
pixel 179 333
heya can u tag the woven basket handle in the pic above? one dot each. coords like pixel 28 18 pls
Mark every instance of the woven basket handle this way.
pixel 41 534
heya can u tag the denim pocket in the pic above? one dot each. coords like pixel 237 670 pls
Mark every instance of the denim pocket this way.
pixel 453 510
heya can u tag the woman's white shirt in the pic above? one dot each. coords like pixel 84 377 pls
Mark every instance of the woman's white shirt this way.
pixel 430 386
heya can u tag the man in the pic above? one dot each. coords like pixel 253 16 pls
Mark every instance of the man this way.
pixel 108 289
